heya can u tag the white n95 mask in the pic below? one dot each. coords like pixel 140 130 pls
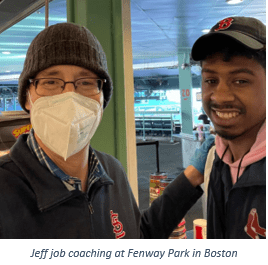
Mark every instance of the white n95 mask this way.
pixel 65 123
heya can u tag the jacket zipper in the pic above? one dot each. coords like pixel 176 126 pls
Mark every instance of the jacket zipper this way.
pixel 90 198
pixel 90 207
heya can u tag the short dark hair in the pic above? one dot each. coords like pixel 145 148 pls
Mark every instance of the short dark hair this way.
pixel 230 48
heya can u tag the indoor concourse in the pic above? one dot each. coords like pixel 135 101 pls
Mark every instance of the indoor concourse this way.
pixel 157 85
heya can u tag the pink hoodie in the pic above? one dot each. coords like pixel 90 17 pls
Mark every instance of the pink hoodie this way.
pixel 256 153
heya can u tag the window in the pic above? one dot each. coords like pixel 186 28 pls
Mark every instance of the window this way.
pixel 14 43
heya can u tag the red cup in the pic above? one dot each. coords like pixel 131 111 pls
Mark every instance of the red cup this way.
pixel 200 229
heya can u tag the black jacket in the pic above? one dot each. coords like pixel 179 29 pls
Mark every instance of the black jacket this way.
pixel 36 204
pixel 239 210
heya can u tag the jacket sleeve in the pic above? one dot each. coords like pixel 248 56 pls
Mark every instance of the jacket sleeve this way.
pixel 165 213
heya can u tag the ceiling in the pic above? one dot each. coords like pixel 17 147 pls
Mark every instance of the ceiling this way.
pixel 160 29
pixel 17 38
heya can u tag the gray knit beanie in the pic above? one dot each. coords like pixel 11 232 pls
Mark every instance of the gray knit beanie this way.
pixel 64 43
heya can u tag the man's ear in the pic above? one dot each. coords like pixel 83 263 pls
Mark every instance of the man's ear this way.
pixel 102 99
pixel 27 102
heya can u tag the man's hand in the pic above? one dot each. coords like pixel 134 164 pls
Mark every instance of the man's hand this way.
pixel 195 172
pixel 200 156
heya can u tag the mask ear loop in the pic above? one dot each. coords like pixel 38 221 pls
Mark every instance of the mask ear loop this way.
pixel 29 98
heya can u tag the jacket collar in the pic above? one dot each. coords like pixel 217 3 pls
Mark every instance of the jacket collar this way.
pixel 49 190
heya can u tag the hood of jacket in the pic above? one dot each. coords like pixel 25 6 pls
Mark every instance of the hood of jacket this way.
pixel 256 153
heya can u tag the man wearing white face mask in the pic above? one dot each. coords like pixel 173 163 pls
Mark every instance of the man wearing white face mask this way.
pixel 53 184
pixel 65 115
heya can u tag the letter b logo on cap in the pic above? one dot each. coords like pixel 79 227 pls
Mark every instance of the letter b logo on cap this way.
pixel 224 24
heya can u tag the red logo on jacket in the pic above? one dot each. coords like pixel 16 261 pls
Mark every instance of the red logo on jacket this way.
pixel 118 226
pixel 253 228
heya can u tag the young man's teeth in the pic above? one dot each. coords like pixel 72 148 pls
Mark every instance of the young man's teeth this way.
pixel 225 115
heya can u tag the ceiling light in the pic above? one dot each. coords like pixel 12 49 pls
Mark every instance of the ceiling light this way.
pixel 143 66
pixel 234 2
pixel 9 77
pixel 205 30
pixel 6 52
pixel 12 57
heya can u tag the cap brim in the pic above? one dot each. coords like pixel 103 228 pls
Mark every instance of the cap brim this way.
pixel 201 46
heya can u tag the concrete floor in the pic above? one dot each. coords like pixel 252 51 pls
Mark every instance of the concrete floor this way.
pixel 170 161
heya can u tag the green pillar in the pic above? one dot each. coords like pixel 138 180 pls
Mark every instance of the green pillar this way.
pixel 185 81
pixel 104 19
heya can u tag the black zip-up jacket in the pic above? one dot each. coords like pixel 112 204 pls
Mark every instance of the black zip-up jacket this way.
pixel 36 204
pixel 239 210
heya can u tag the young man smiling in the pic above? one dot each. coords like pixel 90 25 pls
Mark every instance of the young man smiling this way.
pixel 233 60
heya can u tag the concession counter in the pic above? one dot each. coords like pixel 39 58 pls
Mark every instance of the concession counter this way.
pixel 12 125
